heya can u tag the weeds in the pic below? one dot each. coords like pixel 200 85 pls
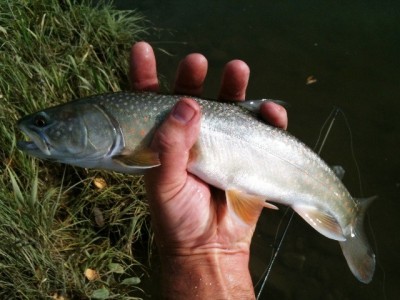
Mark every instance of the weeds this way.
pixel 62 235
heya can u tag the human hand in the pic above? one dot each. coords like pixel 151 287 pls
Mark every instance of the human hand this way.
pixel 190 217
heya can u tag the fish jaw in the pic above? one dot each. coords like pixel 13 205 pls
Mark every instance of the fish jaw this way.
pixel 37 146
pixel 32 149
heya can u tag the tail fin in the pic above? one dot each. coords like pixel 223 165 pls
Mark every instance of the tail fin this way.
pixel 356 250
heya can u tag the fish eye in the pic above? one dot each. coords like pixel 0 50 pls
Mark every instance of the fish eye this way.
pixel 40 121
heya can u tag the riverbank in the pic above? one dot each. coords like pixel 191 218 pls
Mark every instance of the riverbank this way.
pixel 65 233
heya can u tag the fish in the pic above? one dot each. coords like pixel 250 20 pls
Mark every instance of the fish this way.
pixel 253 162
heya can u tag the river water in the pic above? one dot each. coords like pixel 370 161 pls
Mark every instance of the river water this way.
pixel 352 50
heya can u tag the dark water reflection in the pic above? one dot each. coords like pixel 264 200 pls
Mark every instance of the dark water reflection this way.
pixel 352 49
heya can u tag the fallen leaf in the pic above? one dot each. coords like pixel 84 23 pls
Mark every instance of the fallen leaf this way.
pixel 311 80
pixel 131 281
pixel 56 296
pixel 91 274
pixel 102 293
pixel 100 183
pixel 116 268
pixel 98 216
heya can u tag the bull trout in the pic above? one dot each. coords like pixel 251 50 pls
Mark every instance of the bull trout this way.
pixel 235 152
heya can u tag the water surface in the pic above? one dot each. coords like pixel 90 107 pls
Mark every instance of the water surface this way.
pixel 352 50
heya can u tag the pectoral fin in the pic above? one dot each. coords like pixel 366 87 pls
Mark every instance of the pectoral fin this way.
pixel 323 222
pixel 246 207
pixel 142 158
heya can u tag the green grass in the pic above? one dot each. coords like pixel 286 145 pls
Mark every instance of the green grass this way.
pixel 55 223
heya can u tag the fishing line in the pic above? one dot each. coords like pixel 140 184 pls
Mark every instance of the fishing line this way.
pixel 275 252
pixel 332 116
pixel 384 294
pixel 352 151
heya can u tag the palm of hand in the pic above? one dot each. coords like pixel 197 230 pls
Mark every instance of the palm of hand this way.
pixel 195 219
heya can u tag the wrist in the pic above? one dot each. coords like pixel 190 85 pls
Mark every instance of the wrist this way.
pixel 216 274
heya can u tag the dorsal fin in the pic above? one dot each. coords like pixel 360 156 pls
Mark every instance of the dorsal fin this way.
pixel 339 171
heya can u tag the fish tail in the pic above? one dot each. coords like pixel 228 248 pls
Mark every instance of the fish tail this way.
pixel 356 249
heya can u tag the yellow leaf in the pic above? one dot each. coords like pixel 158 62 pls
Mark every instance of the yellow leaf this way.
pixel 91 274
pixel 311 80
pixel 56 296
pixel 100 183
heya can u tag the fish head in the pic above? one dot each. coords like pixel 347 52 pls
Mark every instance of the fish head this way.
pixel 71 133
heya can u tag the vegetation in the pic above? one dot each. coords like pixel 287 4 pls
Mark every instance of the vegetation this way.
pixel 65 233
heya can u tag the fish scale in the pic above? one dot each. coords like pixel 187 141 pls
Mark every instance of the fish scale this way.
pixel 235 151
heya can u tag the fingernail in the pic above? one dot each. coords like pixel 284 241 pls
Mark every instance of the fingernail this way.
pixel 183 112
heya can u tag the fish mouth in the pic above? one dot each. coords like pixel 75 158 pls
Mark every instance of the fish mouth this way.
pixel 37 144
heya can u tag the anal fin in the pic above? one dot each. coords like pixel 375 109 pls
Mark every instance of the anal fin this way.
pixel 323 222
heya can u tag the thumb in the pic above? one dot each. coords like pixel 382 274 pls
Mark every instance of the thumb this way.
pixel 173 141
